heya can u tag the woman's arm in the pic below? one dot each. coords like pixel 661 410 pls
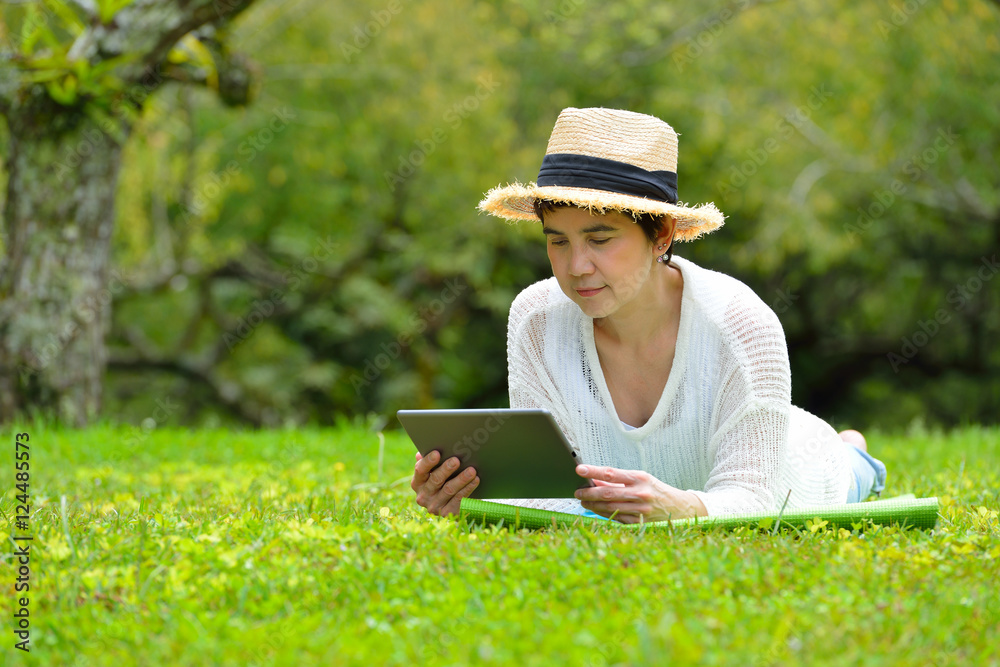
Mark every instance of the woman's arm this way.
pixel 749 455
pixel 751 412
pixel 529 382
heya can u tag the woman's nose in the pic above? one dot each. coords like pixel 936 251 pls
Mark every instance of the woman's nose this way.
pixel 579 262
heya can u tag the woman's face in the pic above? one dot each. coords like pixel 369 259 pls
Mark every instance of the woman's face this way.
pixel 602 261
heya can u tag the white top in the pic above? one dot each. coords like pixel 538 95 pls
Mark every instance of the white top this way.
pixel 724 427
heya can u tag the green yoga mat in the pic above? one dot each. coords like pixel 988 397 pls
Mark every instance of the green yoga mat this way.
pixel 905 511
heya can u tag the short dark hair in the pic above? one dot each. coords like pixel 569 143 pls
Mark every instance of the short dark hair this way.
pixel 651 224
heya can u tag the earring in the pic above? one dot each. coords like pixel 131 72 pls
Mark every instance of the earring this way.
pixel 665 257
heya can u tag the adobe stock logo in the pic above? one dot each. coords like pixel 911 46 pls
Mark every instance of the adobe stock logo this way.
pixel 216 182
pixel 784 129
pixel 711 28
pixel 411 162
pixel 913 168
pixel 959 295
pixel 419 321
pixel 364 34
pixel 471 443
pixel 900 16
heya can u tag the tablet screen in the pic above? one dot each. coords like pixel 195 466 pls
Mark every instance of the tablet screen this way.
pixel 516 453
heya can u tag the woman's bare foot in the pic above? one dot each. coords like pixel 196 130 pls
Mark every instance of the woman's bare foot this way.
pixel 855 438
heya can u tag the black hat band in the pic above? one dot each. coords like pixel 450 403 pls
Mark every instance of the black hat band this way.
pixel 597 173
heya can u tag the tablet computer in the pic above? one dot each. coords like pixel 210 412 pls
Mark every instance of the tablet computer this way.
pixel 516 453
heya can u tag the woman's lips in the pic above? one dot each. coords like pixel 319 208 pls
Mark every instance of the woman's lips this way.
pixel 588 292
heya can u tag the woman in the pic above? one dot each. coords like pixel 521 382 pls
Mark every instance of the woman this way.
pixel 670 381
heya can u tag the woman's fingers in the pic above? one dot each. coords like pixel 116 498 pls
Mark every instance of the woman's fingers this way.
pixel 435 491
pixel 455 485
pixel 425 464
pixel 609 493
pixel 455 504
pixel 621 507
pixel 441 474
pixel 608 474
pixel 621 512
pixel 422 468
pixel 449 495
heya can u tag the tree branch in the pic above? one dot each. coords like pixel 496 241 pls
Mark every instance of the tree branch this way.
pixel 10 84
pixel 228 395
pixel 150 28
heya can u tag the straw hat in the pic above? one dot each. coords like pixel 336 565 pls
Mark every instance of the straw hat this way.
pixel 608 159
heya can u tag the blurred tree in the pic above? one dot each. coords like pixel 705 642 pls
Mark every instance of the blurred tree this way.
pixel 72 82
pixel 311 280
pixel 334 262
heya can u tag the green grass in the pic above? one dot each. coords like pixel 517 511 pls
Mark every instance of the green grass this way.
pixel 290 548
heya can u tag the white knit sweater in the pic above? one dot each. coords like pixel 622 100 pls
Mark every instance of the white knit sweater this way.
pixel 724 427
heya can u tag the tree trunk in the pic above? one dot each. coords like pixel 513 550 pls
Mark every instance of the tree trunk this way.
pixel 55 287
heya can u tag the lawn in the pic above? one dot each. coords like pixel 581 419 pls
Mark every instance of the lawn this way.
pixel 304 547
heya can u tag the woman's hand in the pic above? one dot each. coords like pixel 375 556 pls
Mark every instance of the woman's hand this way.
pixel 434 491
pixel 635 495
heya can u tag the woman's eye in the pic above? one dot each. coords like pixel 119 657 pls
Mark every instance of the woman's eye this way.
pixel 558 243
pixel 600 241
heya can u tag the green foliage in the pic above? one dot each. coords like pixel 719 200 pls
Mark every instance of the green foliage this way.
pixel 851 146
pixel 303 547
pixel 48 31
pixel 106 9
pixel 48 53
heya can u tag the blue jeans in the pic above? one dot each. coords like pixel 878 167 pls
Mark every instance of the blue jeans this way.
pixel 869 475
